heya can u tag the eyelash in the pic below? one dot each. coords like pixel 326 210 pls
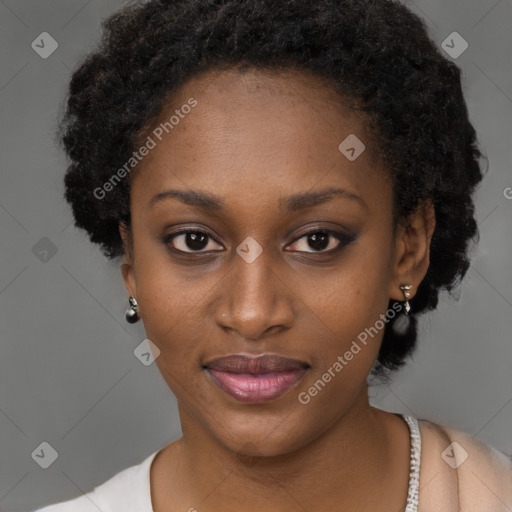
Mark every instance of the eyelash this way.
pixel 343 239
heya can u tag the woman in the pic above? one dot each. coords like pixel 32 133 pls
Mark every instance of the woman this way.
pixel 289 185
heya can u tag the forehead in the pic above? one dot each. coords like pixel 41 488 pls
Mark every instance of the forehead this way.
pixel 263 94
pixel 255 131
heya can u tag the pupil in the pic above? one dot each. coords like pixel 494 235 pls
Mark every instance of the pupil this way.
pixel 196 241
pixel 319 241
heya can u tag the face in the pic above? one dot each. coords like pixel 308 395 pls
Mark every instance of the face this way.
pixel 255 235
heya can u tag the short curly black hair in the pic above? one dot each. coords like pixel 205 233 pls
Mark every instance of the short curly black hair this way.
pixel 376 53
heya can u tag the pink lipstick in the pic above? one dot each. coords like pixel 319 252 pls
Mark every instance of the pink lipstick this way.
pixel 255 379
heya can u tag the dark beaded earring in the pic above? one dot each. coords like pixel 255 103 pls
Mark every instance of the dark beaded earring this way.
pixel 131 313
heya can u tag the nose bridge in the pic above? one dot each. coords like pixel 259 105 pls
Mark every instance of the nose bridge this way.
pixel 253 284
pixel 253 301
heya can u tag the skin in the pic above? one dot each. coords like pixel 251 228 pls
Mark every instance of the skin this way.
pixel 254 138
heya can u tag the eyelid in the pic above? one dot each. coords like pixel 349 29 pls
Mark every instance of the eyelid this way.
pixel 171 236
pixel 344 238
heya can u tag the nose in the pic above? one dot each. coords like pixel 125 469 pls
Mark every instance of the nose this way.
pixel 256 301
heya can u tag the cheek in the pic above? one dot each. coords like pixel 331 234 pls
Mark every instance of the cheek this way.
pixel 352 296
pixel 173 323
pixel 347 309
pixel 169 305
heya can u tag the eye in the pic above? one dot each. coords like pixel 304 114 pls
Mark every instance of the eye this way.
pixel 319 240
pixel 193 239
pixel 322 241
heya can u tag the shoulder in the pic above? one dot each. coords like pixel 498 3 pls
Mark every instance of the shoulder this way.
pixel 127 490
pixel 461 473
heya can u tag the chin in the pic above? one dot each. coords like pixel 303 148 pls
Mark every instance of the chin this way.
pixel 264 436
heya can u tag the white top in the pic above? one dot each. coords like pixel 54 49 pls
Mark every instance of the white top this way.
pixel 482 484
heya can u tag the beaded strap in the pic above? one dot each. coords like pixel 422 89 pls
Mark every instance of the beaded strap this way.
pixel 414 470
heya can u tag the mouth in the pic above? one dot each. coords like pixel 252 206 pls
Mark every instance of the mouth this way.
pixel 255 379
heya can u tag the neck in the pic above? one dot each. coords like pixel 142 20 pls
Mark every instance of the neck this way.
pixel 333 471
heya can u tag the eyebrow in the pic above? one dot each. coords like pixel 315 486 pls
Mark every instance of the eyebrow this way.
pixel 301 201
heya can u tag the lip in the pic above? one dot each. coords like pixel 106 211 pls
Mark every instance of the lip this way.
pixel 255 379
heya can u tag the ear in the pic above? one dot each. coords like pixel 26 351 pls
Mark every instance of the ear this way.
pixel 412 249
pixel 127 267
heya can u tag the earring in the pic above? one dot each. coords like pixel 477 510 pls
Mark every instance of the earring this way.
pixel 131 313
pixel 405 290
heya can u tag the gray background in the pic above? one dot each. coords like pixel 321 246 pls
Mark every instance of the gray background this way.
pixel 68 375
